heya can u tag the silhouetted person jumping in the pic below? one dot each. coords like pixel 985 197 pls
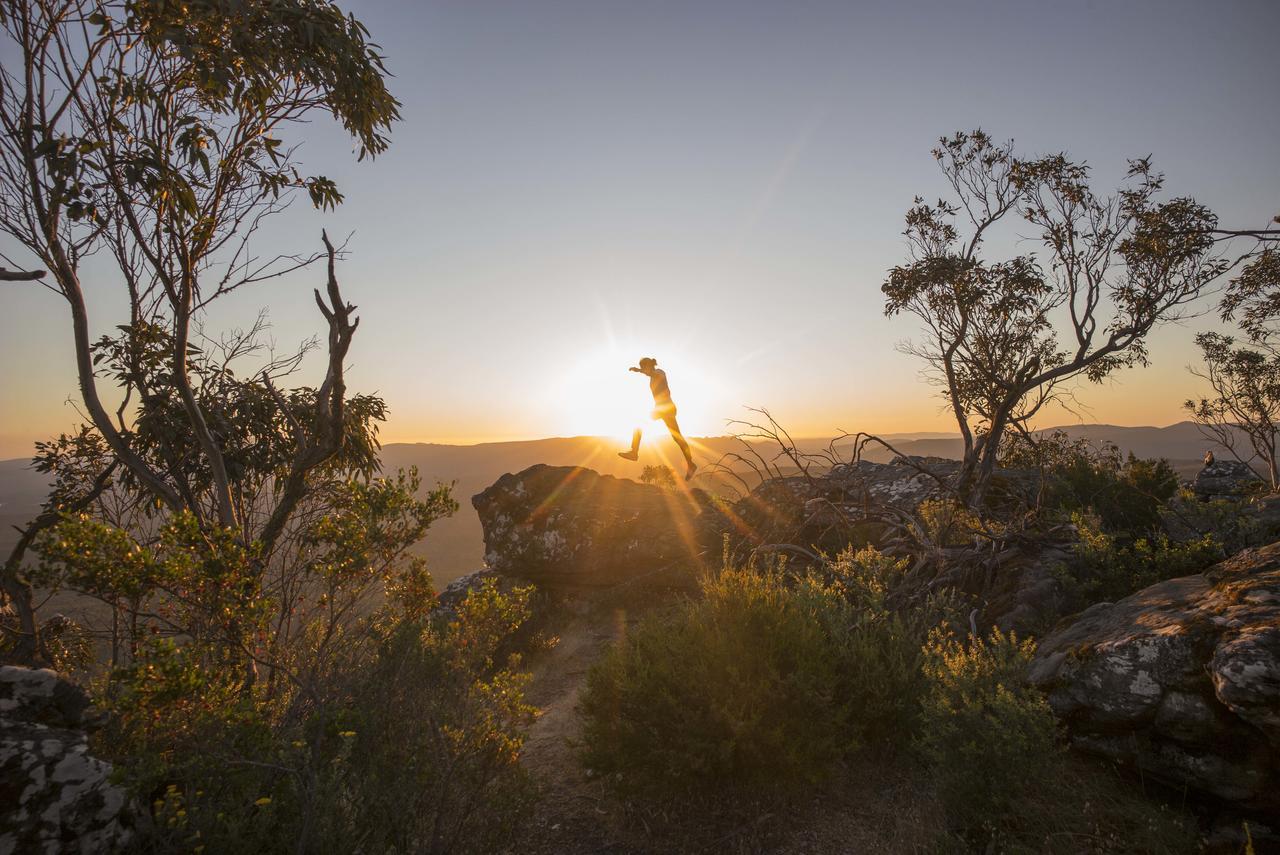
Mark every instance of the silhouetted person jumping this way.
pixel 664 409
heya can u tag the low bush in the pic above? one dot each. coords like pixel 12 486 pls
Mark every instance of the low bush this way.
pixel 1125 492
pixel 951 523
pixel 412 745
pixel 1231 522
pixel 990 746
pixel 988 737
pixel 1104 570
pixel 764 682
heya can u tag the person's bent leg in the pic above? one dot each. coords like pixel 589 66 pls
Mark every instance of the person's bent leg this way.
pixel 674 427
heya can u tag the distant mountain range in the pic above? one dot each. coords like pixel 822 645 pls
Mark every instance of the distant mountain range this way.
pixel 455 547
pixel 1181 444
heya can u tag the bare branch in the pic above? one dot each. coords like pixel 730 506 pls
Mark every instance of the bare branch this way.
pixel 20 275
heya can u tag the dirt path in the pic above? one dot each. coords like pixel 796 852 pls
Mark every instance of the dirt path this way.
pixel 574 813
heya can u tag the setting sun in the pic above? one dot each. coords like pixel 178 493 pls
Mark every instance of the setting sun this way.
pixel 599 397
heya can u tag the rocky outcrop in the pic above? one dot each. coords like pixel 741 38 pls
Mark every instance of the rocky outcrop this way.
pixel 850 502
pixel 1225 479
pixel 851 490
pixel 457 590
pixel 903 483
pixel 571 527
pixel 54 797
pixel 1181 680
pixel 1025 595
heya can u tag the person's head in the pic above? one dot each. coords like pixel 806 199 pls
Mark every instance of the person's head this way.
pixel 648 364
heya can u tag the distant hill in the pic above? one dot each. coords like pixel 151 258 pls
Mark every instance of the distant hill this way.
pixel 455 547
pixel 1181 444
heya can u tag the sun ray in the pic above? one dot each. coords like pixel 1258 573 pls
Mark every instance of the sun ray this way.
pixel 542 507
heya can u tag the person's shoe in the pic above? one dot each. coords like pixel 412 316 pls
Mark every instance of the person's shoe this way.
pixel 693 467
pixel 629 455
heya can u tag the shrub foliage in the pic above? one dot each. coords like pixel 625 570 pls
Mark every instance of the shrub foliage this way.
pixel 988 737
pixel 766 681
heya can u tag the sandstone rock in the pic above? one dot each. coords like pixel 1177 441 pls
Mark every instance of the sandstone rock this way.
pixel 570 527
pixel 1027 597
pixel 456 591
pixel 1225 479
pixel 845 504
pixel 38 695
pixel 1181 680
pixel 827 509
pixel 903 483
pixel 54 797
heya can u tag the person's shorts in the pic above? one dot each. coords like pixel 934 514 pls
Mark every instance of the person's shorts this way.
pixel 663 414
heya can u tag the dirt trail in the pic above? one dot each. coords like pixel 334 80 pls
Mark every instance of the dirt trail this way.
pixel 574 814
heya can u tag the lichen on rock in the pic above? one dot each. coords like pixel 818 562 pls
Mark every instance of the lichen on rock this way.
pixel 54 797
pixel 1181 680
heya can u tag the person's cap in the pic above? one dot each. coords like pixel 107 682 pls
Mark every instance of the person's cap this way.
pixel 648 360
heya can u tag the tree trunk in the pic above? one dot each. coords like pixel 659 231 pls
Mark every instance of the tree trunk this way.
pixel 18 596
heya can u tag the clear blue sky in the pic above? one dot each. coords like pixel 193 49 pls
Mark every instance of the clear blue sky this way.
pixel 719 184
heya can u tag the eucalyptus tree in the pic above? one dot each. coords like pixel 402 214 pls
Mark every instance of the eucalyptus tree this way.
pixel 1003 337
pixel 1252 298
pixel 1241 413
pixel 161 137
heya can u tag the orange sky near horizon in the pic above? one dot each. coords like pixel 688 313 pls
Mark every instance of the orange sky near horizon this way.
pixel 596 395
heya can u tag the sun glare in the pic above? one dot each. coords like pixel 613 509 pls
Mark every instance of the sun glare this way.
pixel 599 397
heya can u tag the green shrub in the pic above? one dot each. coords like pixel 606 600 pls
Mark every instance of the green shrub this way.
pixel 1231 522
pixel 438 723
pixel 1106 571
pixel 989 739
pixel 882 648
pixel 764 682
pixel 1124 491
pixel 946 522
pixel 412 745
pixel 316 701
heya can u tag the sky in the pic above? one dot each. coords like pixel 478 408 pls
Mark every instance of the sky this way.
pixel 720 185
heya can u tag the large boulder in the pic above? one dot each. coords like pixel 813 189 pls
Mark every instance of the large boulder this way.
pixel 571 527
pixel 844 503
pixel 1225 479
pixel 1180 680
pixel 54 797
pixel 902 483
